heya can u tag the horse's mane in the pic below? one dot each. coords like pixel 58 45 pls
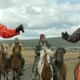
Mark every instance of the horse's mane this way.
pixel 48 51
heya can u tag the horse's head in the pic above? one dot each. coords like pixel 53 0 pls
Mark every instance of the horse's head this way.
pixel 59 54
pixel 46 55
pixel 3 48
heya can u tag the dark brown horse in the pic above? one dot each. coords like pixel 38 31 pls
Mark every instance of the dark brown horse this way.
pixel 59 64
pixel 3 61
pixel 77 71
pixel 44 67
pixel 15 66
pixel 16 62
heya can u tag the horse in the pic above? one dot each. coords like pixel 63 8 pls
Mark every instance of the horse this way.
pixel 15 67
pixel 77 71
pixel 3 61
pixel 59 64
pixel 45 69
pixel 16 62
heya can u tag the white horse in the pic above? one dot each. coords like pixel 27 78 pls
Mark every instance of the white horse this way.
pixel 45 69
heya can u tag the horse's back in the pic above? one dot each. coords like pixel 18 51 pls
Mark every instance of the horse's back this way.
pixel 47 73
pixel 16 63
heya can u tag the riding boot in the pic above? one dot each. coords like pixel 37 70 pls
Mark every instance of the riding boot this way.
pixel 20 28
pixel 35 70
pixel 34 73
pixel 33 76
pixel 22 63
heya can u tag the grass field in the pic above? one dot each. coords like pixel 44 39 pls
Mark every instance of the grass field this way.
pixel 29 58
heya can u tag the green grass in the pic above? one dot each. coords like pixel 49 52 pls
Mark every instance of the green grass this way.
pixel 55 42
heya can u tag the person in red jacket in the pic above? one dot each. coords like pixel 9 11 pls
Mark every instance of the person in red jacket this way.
pixel 8 33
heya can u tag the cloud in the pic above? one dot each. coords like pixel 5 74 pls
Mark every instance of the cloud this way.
pixel 41 16
pixel 5 4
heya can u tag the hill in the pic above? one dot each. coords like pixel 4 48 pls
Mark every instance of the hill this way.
pixel 55 42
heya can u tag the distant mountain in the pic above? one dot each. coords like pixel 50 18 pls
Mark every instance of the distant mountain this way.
pixel 55 42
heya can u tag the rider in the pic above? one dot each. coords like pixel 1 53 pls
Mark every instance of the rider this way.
pixel 42 42
pixel 8 33
pixel 17 47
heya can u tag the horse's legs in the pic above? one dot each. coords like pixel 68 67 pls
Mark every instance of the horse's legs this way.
pixel 18 77
pixel 7 74
pixel 1 76
pixel 13 75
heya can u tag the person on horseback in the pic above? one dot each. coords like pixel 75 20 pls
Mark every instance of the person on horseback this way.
pixel 42 42
pixel 8 33
pixel 18 49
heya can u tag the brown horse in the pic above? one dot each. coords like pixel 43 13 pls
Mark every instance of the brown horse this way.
pixel 16 62
pixel 45 69
pixel 3 61
pixel 59 64
pixel 77 71
pixel 16 66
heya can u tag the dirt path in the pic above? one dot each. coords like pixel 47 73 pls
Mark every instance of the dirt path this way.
pixel 27 74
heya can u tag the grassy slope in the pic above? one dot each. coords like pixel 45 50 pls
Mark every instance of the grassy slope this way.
pixel 55 42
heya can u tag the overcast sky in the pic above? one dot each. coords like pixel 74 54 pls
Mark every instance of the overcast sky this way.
pixel 50 17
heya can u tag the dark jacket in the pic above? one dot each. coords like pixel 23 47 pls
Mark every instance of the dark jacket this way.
pixel 38 47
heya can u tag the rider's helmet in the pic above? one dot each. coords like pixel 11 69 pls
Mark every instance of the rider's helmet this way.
pixel 16 41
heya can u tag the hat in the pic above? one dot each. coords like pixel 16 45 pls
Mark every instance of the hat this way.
pixel 41 36
pixel 16 40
